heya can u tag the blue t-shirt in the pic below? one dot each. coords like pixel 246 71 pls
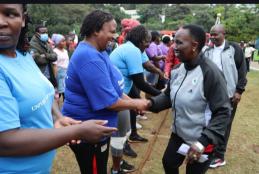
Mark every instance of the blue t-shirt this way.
pixel 26 98
pixel 129 59
pixel 144 58
pixel 92 84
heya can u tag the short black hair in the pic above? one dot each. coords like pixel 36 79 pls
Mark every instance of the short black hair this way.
pixel 23 40
pixel 197 33
pixel 154 35
pixel 166 39
pixel 137 35
pixel 93 22
pixel 37 28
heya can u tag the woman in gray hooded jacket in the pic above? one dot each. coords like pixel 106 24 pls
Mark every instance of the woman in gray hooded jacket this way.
pixel 197 93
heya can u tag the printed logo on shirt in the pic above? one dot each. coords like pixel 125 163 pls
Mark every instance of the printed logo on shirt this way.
pixel 42 102
pixel 174 76
pixel 194 81
pixel 230 55
pixel 46 98
pixel 121 84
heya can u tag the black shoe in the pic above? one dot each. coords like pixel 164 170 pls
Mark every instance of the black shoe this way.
pixel 128 151
pixel 135 138
pixel 126 167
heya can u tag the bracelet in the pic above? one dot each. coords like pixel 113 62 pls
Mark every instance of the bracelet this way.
pixel 199 146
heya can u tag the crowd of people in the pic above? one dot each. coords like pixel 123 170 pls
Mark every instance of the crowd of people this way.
pixel 58 90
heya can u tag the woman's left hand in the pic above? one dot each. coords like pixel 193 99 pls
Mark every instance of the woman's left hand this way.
pixel 67 121
pixel 194 152
pixel 236 98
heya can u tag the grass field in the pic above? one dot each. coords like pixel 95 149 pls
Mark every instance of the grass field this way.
pixel 243 149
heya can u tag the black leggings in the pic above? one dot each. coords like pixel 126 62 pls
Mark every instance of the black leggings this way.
pixel 173 160
pixel 248 64
pixel 134 93
pixel 85 154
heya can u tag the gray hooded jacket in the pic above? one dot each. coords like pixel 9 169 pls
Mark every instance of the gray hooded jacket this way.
pixel 196 89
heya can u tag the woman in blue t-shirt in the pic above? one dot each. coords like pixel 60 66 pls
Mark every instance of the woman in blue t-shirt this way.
pixel 27 137
pixel 94 88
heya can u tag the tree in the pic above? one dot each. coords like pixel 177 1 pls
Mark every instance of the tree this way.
pixel 117 14
pixel 63 18
pixel 241 21
pixel 203 15
pixel 60 18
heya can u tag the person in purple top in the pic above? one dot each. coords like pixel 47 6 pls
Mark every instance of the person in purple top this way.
pixel 154 52
pixel 155 55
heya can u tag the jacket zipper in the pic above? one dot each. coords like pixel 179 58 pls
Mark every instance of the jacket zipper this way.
pixel 221 61
pixel 174 102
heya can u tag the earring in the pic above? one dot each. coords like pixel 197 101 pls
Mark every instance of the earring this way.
pixel 193 49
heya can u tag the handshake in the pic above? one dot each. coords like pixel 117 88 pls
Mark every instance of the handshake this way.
pixel 142 105
pixel 94 130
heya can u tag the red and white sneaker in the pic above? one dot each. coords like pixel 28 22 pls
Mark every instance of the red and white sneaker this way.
pixel 217 162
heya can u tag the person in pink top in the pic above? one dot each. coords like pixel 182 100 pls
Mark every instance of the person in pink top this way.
pixel 62 62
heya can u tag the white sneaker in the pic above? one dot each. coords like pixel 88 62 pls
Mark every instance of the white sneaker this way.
pixel 217 162
pixel 138 126
pixel 141 117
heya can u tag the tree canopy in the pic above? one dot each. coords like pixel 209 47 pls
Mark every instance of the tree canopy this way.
pixel 241 21
pixel 62 18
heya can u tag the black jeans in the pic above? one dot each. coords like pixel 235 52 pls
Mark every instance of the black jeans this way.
pixel 221 148
pixel 248 63
pixel 85 153
pixel 173 160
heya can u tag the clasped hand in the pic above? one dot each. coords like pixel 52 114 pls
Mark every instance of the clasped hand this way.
pixel 194 153
pixel 142 105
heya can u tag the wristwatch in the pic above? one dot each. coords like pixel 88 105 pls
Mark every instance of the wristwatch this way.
pixel 198 146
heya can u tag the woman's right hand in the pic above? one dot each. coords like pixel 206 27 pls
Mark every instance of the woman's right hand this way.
pixel 94 130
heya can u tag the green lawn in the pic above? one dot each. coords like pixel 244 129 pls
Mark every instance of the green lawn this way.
pixel 243 148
